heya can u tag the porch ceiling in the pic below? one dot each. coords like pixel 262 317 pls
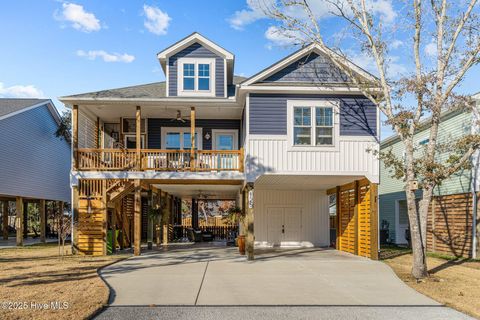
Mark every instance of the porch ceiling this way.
pixel 211 192
pixel 114 112
pixel 303 182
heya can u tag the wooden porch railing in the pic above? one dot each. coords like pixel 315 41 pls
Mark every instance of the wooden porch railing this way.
pixel 159 160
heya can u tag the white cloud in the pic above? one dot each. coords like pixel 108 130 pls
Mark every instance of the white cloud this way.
pixel 395 44
pixel 107 57
pixel 246 16
pixel 20 91
pixel 280 37
pixel 431 49
pixel 321 9
pixel 79 18
pixel 156 20
pixel 384 9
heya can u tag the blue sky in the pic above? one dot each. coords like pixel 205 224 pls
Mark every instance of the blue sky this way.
pixel 52 48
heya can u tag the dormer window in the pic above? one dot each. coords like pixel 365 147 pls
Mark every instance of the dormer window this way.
pixel 203 76
pixel 196 77
pixel 189 76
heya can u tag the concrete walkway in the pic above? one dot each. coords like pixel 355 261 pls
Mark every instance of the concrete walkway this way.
pixel 216 283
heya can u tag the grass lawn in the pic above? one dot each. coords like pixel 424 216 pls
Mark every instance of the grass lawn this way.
pixel 35 274
pixel 455 283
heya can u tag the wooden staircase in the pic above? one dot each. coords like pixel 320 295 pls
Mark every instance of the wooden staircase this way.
pixel 119 190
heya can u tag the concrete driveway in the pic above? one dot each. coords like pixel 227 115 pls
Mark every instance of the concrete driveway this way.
pixel 219 276
pixel 216 283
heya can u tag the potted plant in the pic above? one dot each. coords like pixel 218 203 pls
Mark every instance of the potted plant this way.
pixel 235 216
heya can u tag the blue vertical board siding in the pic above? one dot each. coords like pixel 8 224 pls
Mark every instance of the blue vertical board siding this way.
pixel 312 68
pixel 34 162
pixel 155 129
pixel 268 113
pixel 196 50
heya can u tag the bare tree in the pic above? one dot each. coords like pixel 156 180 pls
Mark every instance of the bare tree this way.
pixel 430 90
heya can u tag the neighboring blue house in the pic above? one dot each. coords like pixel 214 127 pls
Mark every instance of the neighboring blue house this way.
pixel 35 164
pixel 279 143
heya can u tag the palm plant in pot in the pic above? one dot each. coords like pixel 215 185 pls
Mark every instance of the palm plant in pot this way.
pixel 236 216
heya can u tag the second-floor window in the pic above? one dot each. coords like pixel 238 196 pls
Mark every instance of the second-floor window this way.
pixel 196 76
pixel 189 76
pixel 312 126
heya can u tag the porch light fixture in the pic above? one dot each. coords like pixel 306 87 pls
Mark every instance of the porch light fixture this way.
pixel 207 136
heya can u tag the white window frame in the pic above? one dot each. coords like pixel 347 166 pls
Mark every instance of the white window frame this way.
pixel 182 130
pixel 312 104
pixel 217 132
pixel 195 61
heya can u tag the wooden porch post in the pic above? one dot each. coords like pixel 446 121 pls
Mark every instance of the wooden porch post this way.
pixel 41 209
pixel 339 217
pixel 249 219
pixel 150 221
pixel 194 209
pixel 138 136
pixel 137 223
pixel 165 218
pixel 75 214
pixel 114 229
pixel 374 221
pixel 355 217
pixel 192 137
pixel 5 220
pixel 25 219
pixel 75 136
pixel 97 133
pixel 19 220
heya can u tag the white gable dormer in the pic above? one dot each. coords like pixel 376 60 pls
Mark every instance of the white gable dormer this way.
pixel 197 67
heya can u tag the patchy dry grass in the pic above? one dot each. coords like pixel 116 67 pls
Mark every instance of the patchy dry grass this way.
pixel 455 283
pixel 37 275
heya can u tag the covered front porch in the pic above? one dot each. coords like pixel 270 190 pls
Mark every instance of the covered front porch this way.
pixel 157 138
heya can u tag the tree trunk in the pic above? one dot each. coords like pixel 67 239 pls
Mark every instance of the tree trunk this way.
pixel 417 236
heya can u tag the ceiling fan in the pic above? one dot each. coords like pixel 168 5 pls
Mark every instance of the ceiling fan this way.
pixel 179 117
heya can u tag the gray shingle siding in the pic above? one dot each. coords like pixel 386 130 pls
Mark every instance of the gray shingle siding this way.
pixel 34 163
pixel 312 68
pixel 155 129
pixel 196 50
pixel 268 113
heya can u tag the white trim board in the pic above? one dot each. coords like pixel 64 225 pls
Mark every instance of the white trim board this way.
pixel 191 39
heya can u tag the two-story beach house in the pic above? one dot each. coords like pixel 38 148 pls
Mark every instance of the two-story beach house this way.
pixel 281 143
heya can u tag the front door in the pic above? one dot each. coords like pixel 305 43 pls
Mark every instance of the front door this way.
pixel 293 224
pixel 275 225
pixel 225 140
pixel 284 225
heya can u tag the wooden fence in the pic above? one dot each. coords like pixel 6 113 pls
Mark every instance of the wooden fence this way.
pixel 219 232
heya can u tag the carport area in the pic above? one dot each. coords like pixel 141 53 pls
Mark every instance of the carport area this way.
pixel 214 275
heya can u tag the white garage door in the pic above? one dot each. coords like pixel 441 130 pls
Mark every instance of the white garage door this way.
pixel 284 225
